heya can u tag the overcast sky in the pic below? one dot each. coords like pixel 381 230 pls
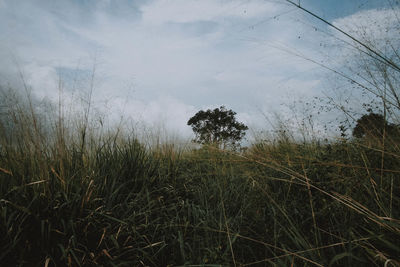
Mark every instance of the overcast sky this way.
pixel 160 61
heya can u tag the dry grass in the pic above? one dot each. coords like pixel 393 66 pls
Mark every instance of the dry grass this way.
pixel 74 197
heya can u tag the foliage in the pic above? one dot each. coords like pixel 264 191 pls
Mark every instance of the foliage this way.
pixel 374 126
pixel 218 126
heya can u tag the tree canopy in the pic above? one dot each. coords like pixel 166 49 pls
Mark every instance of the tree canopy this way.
pixel 218 126
pixel 374 125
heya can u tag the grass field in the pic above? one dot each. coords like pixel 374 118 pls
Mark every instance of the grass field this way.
pixel 77 197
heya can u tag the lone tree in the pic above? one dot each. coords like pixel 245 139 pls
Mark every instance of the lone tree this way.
pixel 218 126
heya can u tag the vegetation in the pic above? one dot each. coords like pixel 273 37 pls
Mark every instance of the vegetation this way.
pixel 218 127
pixel 74 194
pixel 374 125
pixel 86 199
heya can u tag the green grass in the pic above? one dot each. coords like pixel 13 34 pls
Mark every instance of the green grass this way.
pixel 74 198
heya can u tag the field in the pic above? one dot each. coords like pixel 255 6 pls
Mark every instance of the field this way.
pixel 80 197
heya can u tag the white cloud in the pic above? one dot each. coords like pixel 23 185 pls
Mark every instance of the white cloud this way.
pixel 165 113
pixel 376 26
pixel 184 11
pixel 42 77
pixel 165 59
pixel 379 29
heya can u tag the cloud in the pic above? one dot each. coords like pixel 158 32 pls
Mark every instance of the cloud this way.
pixel 186 11
pixel 379 29
pixel 162 60
pixel 375 26
pixel 166 113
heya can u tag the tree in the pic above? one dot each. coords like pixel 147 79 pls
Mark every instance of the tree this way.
pixel 218 126
pixel 374 125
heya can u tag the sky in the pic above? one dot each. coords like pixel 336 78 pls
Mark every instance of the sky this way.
pixel 160 61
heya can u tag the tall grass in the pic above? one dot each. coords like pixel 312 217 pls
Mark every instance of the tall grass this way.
pixel 74 197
